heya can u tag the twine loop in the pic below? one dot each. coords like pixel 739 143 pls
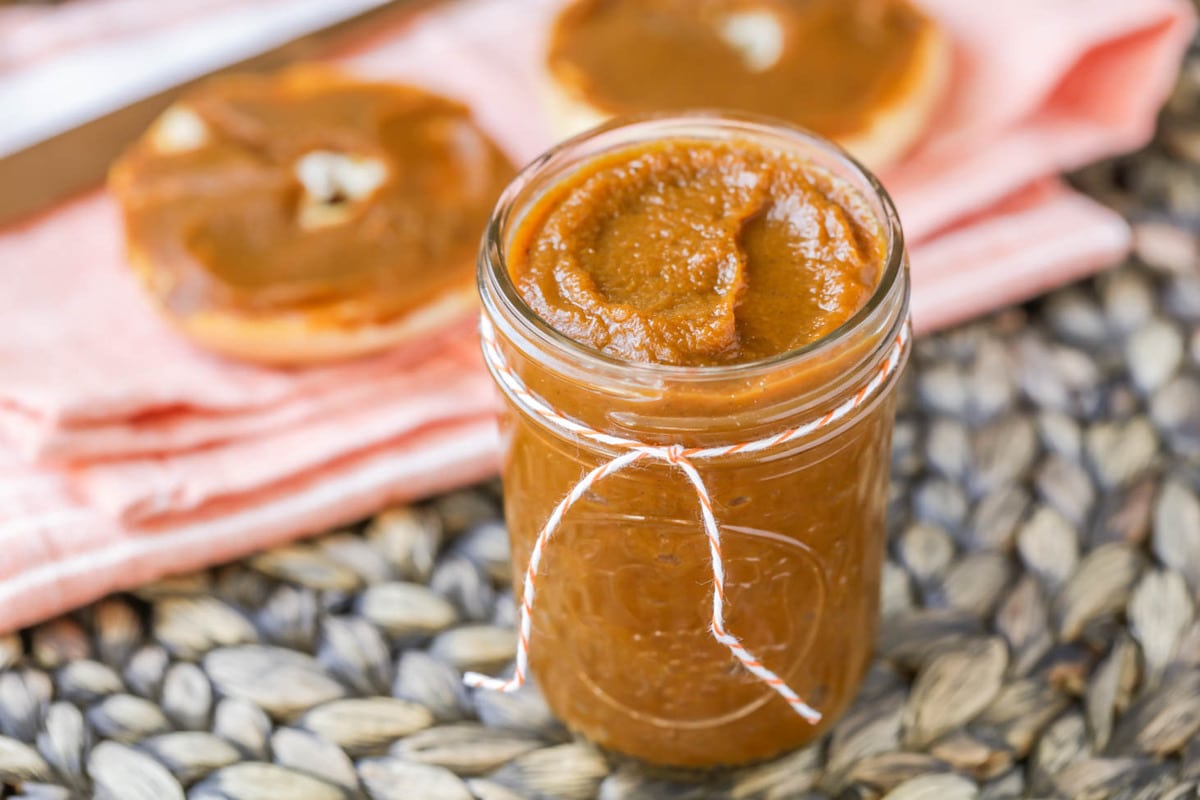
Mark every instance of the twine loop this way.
pixel 674 455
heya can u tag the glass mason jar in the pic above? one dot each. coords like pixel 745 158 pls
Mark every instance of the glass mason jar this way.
pixel 621 642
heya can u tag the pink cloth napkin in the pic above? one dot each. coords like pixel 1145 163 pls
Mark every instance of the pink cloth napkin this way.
pixel 128 454
pixel 58 551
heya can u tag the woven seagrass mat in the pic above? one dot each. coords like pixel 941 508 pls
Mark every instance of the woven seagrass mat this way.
pixel 1040 635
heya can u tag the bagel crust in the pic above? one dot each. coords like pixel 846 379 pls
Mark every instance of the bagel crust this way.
pixel 308 217
pixel 867 74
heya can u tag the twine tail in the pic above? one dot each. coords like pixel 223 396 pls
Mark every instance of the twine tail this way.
pixel 477 680
pixel 677 457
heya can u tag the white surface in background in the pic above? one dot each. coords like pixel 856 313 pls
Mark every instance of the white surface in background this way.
pixel 59 93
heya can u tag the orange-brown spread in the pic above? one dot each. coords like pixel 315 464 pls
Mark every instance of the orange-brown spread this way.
pixel 697 253
pixel 824 64
pixel 353 202
pixel 706 253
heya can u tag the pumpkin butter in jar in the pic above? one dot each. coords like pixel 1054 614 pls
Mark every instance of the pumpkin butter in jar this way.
pixel 732 293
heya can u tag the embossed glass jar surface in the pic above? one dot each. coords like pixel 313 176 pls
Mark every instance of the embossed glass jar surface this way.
pixel 621 638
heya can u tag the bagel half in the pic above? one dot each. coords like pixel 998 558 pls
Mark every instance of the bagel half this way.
pixel 903 107
pixel 308 217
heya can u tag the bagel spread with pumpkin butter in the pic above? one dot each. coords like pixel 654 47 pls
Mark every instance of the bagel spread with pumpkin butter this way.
pixel 866 73
pixel 308 216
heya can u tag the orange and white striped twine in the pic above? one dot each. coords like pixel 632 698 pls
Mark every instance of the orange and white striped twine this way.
pixel 681 458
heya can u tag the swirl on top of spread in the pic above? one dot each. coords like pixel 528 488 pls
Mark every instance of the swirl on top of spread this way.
pixel 698 253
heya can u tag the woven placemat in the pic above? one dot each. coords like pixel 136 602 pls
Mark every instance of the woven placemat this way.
pixel 1040 635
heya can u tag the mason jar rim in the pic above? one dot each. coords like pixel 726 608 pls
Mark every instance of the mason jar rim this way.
pixel 493 274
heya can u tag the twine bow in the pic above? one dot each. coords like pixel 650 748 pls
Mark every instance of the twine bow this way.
pixel 680 458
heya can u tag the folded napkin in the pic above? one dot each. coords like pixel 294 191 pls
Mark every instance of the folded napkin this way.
pixel 58 551
pixel 127 454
